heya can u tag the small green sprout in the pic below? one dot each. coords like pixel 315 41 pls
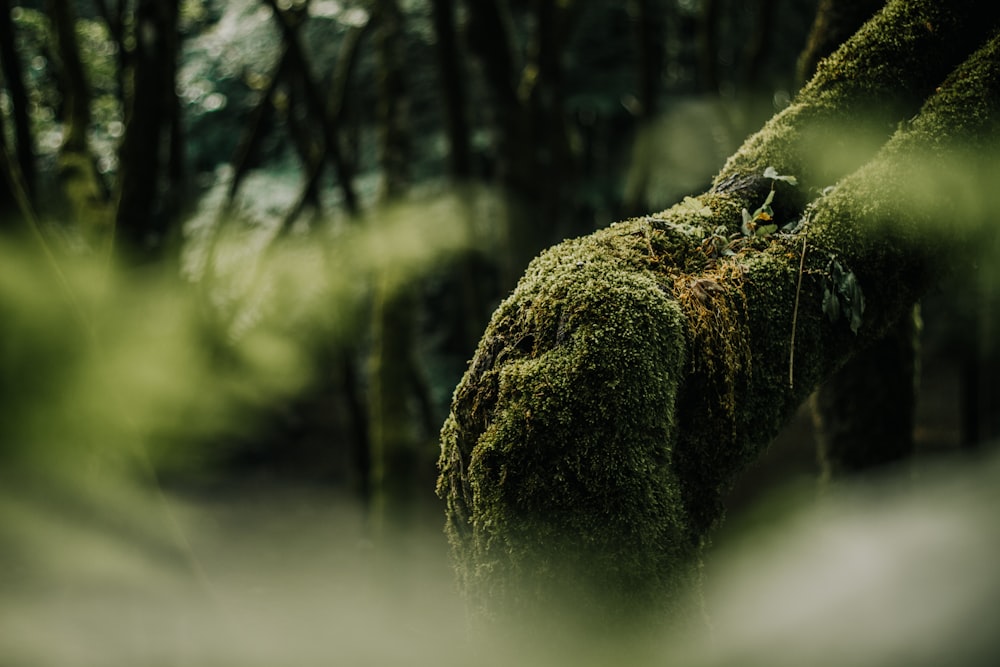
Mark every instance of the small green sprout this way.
pixel 773 174
pixel 759 223
pixel 718 243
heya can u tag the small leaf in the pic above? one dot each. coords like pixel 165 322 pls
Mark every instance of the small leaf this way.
pixel 773 174
pixel 851 291
pixel 836 272
pixel 831 305
pixel 855 321
pixel 764 230
pixel 747 226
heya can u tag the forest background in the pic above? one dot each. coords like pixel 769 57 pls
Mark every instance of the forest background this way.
pixel 250 246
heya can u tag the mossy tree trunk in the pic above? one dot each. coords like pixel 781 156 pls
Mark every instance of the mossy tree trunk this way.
pixel 633 373
pixel 864 413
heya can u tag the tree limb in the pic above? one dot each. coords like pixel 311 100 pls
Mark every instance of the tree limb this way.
pixel 633 373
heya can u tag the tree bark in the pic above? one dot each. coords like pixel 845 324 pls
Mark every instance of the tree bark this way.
pixel 633 373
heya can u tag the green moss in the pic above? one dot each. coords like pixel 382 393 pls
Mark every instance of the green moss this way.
pixel 634 373
pixel 847 111
pixel 560 441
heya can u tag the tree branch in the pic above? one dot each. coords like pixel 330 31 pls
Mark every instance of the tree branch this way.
pixel 633 373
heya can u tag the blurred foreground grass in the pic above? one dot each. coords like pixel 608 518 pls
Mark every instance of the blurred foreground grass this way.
pixel 901 572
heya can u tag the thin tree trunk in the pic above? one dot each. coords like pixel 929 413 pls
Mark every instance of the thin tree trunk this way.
pixel 760 41
pixel 13 79
pixel 395 451
pixel 316 106
pixel 452 89
pixel 256 127
pixel 649 43
pixel 85 191
pixel 141 216
pixel 836 20
pixel 708 46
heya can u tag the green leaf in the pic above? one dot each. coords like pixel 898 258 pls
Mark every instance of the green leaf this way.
pixel 855 321
pixel 773 174
pixel 746 226
pixel 831 305
pixel 836 272
pixel 764 230
pixel 851 291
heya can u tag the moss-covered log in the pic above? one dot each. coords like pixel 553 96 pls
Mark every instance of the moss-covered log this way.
pixel 633 373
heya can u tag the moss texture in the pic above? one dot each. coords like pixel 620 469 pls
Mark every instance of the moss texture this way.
pixel 633 373
pixel 557 463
